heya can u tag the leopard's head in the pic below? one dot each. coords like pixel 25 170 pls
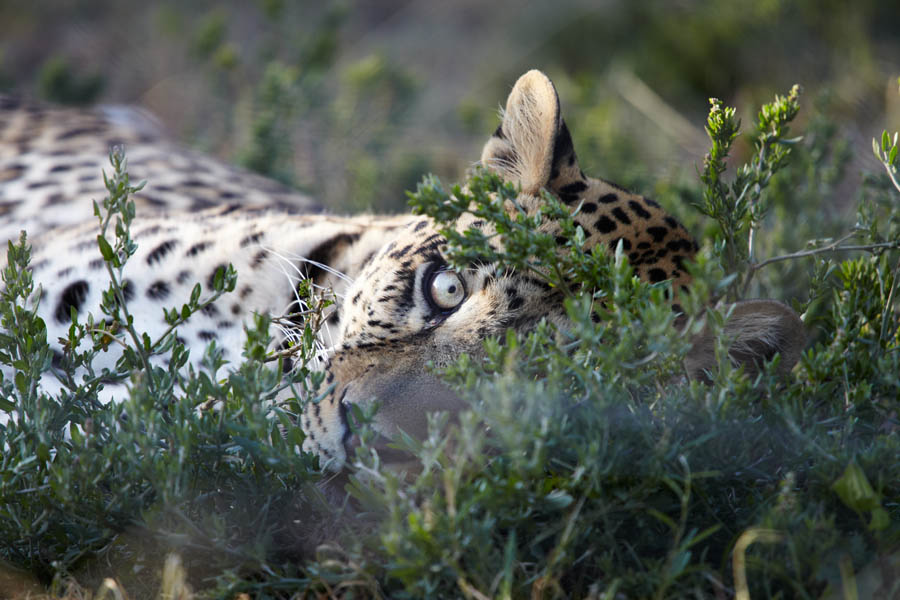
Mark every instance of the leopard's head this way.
pixel 407 308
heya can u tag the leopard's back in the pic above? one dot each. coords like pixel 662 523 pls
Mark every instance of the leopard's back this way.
pixel 52 159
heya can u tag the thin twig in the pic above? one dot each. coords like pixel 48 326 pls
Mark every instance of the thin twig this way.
pixel 284 353
pixel 833 247
pixel 890 173
pixel 108 334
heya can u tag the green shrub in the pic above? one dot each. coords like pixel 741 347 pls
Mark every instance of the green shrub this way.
pixel 588 466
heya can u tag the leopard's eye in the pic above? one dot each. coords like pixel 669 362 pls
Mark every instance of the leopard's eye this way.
pixel 447 290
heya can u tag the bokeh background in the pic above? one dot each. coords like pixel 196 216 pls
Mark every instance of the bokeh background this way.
pixel 355 101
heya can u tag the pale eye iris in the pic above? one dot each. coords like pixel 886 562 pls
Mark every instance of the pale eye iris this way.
pixel 447 290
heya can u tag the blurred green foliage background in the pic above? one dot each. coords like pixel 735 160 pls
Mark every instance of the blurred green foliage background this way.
pixel 354 101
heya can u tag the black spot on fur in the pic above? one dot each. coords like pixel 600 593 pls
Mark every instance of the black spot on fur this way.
pixel 152 230
pixel 657 275
pixel 650 202
pixel 516 303
pixel 73 296
pixel 643 245
pixel 605 225
pixel 235 309
pixel 201 203
pixel 570 193
pixel 154 200
pixel 621 216
pixel 206 335
pixel 210 310
pixel 658 233
pixel 61 168
pixel 78 131
pixel 638 209
pixel 128 290
pixel 96 264
pixel 258 258
pixel 589 207
pixel 158 253
pixel 682 244
pixel 671 222
pixel 401 252
pixel 158 290
pixel 420 225
pixel 325 252
pixel 626 244
pixel 183 276
pixel 252 238
pixel 197 248
pixel 12 172
pixel 608 198
pixel 367 259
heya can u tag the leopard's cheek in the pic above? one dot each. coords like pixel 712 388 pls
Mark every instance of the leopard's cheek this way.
pixel 324 427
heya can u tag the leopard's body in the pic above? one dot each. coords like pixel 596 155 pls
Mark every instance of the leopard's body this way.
pixel 400 306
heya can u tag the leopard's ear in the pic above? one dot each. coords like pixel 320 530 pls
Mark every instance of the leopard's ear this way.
pixel 759 329
pixel 532 146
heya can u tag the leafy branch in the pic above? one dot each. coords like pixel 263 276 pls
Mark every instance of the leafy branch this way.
pixel 118 204
pixel 739 206
pixel 887 155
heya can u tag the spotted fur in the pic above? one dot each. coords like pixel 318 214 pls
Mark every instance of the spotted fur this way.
pixel 400 306
pixel 51 158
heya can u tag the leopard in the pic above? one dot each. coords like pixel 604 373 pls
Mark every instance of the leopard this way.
pixel 401 308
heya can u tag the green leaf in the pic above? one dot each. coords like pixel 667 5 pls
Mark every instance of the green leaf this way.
pixel 855 491
pixel 43 452
pixel 558 499
pixel 105 249
pixel 885 141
